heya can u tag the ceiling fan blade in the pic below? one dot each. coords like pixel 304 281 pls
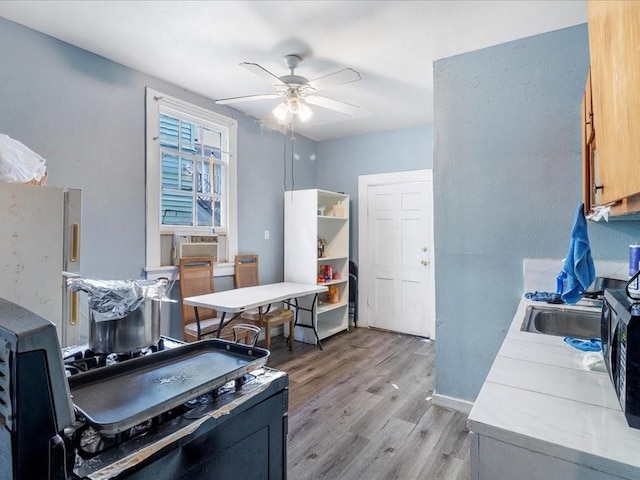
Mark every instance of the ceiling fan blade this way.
pixel 265 96
pixel 347 75
pixel 331 104
pixel 264 73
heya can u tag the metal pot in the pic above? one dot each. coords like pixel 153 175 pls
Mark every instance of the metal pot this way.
pixel 135 331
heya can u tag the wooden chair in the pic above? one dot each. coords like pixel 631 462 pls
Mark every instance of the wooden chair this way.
pixel 196 278
pixel 246 267
pixel 246 275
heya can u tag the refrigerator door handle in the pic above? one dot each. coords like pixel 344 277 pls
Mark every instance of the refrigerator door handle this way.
pixel 75 308
pixel 69 328
pixel 75 242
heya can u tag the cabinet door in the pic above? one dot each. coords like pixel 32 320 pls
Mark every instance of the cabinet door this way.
pixel 588 109
pixel 496 460
pixel 614 37
pixel 591 187
pixel 586 169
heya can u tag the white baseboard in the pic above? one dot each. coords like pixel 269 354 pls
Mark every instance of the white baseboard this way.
pixel 458 404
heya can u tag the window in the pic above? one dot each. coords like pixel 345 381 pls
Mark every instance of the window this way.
pixel 194 159
pixel 191 170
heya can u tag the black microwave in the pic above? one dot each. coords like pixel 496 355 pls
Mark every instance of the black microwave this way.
pixel 620 330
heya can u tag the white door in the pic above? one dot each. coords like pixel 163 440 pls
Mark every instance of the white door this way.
pixel 398 257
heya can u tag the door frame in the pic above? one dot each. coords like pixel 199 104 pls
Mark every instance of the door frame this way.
pixel 364 182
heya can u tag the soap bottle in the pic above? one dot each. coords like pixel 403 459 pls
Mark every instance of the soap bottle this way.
pixel 560 279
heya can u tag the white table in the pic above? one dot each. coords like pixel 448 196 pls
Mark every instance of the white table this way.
pixel 238 300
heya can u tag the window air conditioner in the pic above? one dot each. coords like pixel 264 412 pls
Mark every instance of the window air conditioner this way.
pixel 186 246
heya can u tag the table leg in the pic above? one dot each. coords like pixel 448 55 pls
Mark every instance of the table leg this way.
pixel 312 310
pixel 197 322
pixel 220 325
pixel 314 319
pixel 290 339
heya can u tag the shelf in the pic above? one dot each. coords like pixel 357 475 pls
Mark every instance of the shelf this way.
pixel 331 331
pixel 327 307
pixel 330 194
pixel 334 282
pixel 304 231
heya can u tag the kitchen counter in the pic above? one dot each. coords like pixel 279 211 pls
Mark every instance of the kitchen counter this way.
pixel 548 414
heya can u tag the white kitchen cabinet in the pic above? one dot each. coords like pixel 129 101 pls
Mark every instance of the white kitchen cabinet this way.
pixel 496 460
pixel 316 240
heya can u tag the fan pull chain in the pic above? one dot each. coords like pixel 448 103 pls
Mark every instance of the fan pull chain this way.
pixel 293 138
pixel 284 161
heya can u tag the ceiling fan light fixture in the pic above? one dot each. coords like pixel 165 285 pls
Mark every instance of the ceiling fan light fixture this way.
pixel 304 112
pixel 298 107
pixel 292 106
pixel 281 112
pixel 294 103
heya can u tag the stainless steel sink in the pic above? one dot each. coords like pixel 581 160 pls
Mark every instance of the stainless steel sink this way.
pixel 562 322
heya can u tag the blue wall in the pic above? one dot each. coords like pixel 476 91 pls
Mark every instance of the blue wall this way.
pixel 86 116
pixel 341 161
pixel 264 174
pixel 507 181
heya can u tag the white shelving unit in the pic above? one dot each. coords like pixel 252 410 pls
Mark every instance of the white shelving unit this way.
pixel 311 215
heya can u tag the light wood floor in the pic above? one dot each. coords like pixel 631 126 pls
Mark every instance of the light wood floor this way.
pixel 361 409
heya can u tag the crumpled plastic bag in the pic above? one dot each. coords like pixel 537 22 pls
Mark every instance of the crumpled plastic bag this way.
pixel 114 299
pixel 19 164
pixel 600 212
pixel 593 361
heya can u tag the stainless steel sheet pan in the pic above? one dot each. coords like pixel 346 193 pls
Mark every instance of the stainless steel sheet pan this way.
pixel 120 396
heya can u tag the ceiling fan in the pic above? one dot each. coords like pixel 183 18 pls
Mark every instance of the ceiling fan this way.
pixel 296 91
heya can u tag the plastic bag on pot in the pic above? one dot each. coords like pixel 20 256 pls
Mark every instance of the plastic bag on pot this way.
pixel 19 164
pixel 114 299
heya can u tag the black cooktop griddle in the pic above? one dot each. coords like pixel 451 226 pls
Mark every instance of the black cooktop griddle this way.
pixel 118 397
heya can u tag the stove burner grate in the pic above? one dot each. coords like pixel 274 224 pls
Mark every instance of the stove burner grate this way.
pixel 82 359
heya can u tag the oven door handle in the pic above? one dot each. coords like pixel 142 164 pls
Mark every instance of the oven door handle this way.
pixel 57 458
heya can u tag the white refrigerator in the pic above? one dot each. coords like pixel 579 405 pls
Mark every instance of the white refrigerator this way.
pixel 39 249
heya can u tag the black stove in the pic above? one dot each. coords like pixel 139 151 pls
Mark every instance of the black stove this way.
pixel 96 416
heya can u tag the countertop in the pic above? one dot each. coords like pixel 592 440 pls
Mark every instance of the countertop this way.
pixel 541 394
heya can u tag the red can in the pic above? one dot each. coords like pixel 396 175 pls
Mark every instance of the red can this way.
pixel 328 271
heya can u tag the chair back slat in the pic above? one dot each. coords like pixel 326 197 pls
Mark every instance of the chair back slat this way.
pixel 196 278
pixel 246 267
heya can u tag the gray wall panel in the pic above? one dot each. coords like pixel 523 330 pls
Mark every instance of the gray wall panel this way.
pixel 507 181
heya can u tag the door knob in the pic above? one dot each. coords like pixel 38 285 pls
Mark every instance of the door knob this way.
pixel 424 249
pixel 425 262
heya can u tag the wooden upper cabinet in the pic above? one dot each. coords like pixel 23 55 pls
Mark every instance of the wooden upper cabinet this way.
pixel 614 44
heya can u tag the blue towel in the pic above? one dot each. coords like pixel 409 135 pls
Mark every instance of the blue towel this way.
pixel 544 297
pixel 591 345
pixel 578 265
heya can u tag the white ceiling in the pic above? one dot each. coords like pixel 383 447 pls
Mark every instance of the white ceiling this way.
pixel 392 44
